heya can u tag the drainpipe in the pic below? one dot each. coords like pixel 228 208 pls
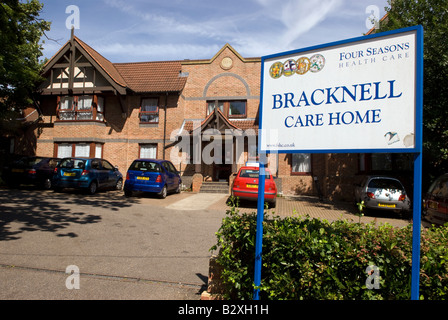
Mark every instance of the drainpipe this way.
pixel 164 126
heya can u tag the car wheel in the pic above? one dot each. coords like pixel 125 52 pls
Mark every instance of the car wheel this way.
pixel 273 203
pixel 178 188
pixel 47 184
pixel 92 187
pixel 163 192
pixel 119 184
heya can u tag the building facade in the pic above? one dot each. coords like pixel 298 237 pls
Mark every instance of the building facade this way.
pixel 200 114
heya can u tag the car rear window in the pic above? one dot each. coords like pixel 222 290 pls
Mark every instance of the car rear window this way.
pixel 252 173
pixel 385 184
pixel 146 166
pixel 440 187
pixel 28 162
pixel 73 164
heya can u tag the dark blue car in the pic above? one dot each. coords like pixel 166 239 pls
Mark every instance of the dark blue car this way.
pixel 90 174
pixel 154 176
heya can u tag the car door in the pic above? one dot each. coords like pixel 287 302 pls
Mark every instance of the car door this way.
pixel 170 176
pixel 175 174
pixel 98 172
pixel 110 173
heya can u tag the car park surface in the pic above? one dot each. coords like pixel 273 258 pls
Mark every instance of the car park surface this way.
pixel 89 174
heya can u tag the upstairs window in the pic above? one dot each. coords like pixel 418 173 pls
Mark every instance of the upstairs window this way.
pixel 149 110
pixel 231 109
pixel 237 109
pixel 81 108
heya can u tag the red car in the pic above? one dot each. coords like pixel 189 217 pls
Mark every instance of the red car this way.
pixel 245 185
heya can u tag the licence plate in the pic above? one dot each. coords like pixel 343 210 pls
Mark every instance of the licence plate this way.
pixel 143 178
pixel 252 185
pixel 17 170
pixel 384 205
pixel 69 174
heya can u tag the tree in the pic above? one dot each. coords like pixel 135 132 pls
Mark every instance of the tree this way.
pixel 20 32
pixel 433 16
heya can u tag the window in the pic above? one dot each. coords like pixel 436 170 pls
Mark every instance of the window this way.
pixel 148 151
pixel 81 108
pixel 300 163
pixel 211 105
pixel 231 109
pixel 106 165
pixel 237 109
pixel 149 110
pixel 84 149
pixel 64 150
pixel 100 109
pixel 146 166
pixel 98 151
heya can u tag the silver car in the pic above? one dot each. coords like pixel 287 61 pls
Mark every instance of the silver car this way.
pixel 383 193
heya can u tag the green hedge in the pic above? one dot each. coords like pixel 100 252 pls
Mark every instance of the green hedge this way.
pixel 305 258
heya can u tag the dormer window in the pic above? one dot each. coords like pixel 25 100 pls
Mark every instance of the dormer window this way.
pixel 149 111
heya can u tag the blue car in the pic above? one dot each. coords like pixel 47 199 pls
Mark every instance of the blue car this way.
pixel 151 175
pixel 89 174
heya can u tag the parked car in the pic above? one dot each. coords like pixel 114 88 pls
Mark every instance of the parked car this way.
pixel 245 185
pixel 90 174
pixel 152 175
pixel 435 205
pixel 30 170
pixel 384 193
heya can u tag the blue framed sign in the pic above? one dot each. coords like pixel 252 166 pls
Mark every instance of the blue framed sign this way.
pixel 356 95
pixel 361 95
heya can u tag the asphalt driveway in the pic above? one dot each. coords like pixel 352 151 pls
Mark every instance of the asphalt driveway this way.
pixel 124 248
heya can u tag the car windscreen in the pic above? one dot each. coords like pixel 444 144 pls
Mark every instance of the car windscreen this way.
pixel 145 166
pixel 385 184
pixel 252 173
pixel 73 164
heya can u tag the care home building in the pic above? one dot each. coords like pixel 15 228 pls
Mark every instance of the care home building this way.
pixel 200 114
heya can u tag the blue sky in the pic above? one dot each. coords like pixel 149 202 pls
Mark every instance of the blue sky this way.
pixel 150 30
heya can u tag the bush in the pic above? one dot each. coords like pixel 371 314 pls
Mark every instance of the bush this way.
pixel 306 258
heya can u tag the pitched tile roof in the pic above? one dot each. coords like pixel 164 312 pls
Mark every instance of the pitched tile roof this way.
pixel 161 76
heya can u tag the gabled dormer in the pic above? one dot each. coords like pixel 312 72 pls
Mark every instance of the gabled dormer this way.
pixel 78 69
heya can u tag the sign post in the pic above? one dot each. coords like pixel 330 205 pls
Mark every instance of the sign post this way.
pixel 260 218
pixel 361 95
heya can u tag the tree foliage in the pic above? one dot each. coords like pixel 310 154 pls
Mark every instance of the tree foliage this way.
pixel 21 30
pixel 433 16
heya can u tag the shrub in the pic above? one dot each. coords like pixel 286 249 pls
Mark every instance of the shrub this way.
pixel 305 258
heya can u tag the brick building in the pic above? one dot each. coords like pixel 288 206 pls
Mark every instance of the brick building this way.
pixel 200 114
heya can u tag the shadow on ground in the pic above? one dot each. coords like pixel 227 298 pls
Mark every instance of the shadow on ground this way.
pixel 49 211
